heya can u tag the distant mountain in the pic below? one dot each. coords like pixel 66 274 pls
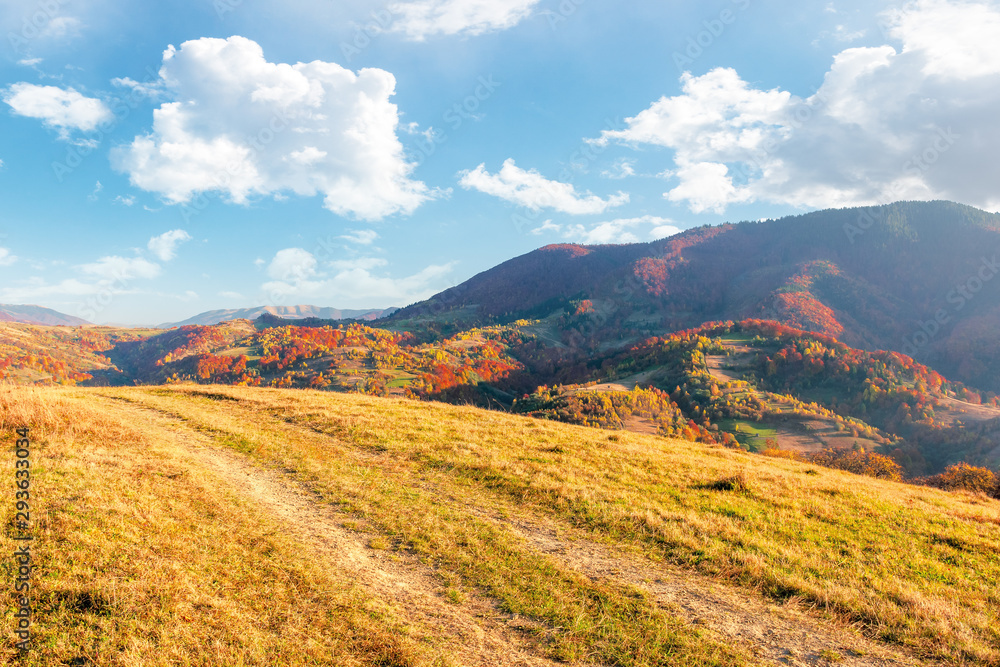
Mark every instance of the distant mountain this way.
pixel 914 277
pixel 38 315
pixel 284 312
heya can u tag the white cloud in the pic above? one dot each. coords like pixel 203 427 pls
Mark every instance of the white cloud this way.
pixel 532 190
pixel 293 265
pixel 35 288
pixel 361 236
pixel 425 18
pixel 885 125
pixel 165 245
pixel 348 283
pixel 114 268
pixel 6 258
pixel 949 38
pixel 61 27
pixel 29 62
pixel 125 200
pixel 621 230
pixel 246 127
pixel 63 109
pixel 622 168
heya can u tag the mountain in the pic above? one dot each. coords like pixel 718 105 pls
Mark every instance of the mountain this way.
pixel 914 277
pixel 38 315
pixel 284 312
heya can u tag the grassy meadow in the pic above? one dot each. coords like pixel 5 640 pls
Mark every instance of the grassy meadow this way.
pixel 149 553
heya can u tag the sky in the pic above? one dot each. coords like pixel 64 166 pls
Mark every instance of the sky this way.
pixel 162 159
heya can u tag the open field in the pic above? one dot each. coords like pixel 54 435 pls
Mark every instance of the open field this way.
pixel 246 526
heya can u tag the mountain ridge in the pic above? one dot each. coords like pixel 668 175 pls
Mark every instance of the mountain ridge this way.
pixel 285 312
pixel 910 277
pixel 31 314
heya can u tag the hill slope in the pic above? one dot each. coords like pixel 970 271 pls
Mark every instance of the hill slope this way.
pixel 235 525
pixel 913 277
pixel 38 315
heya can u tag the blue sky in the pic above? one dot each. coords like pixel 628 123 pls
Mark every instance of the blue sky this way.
pixel 162 159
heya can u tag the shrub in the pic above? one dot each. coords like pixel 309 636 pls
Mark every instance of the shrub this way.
pixel 962 476
pixel 859 462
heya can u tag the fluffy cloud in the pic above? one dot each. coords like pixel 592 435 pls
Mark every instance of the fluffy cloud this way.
pixel 532 190
pixel 358 283
pixel 245 127
pixel 116 268
pixel 165 245
pixel 888 123
pixel 292 265
pixel 6 259
pixel 426 18
pixel 63 109
pixel 622 230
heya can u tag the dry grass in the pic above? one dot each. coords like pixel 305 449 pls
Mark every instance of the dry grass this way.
pixel 142 561
pixel 915 567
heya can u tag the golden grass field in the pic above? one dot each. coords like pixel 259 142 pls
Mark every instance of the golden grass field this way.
pixel 233 526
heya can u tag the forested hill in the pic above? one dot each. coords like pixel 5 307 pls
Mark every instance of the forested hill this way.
pixel 914 277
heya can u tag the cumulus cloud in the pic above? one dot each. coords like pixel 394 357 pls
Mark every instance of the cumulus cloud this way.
pixel 245 127
pixel 532 190
pixel 62 109
pixel 165 245
pixel 888 123
pixel 292 265
pixel 6 258
pixel 425 18
pixel 621 230
pixel 361 282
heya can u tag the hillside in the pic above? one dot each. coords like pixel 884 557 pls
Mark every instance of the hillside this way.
pixel 38 315
pixel 223 525
pixel 756 385
pixel 284 312
pixel 913 277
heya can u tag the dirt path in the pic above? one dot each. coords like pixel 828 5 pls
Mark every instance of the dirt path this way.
pixel 474 632
pixel 777 634
pixel 968 411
